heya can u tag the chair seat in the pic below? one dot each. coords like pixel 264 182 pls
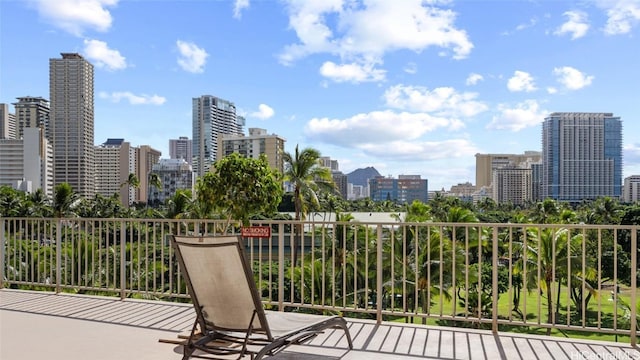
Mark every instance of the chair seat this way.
pixel 231 320
pixel 285 323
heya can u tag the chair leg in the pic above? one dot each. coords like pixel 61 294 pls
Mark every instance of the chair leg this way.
pixel 189 347
pixel 344 326
pixel 187 350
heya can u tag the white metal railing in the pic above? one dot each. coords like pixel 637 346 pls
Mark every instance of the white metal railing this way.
pixel 566 277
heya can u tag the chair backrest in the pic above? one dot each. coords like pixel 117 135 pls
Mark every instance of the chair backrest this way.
pixel 221 283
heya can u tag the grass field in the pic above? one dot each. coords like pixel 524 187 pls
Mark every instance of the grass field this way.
pixel 536 312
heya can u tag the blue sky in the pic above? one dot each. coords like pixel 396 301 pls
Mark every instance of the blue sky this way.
pixel 406 86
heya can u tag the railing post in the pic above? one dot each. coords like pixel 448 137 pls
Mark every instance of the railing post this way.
pixel 2 255
pixel 379 275
pixel 58 255
pixel 281 265
pixel 494 283
pixel 633 337
pixel 123 255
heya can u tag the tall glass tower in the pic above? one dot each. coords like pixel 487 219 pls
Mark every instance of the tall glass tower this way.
pixel 581 156
pixel 71 122
pixel 211 117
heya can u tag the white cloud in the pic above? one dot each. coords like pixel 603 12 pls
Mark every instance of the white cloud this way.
pixel 238 6
pixel 420 150
pixel 142 99
pixel 99 52
pixel 474 78
pixel 622 15
pixel 521 81
pixel 411 68
pixel 354 73
pixel 376 127
pixel 572 78
pixel 577 24
pixel 551 90
pixel 365 32
pixel 264 112
pixel 442 101
pixel 631 153
pixel 192 58
pixel 532 22
pixel 523 115
pixel 76 16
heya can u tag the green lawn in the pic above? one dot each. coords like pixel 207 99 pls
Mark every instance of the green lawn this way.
pixel 607 311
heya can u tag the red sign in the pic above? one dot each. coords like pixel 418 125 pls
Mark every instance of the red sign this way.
pixel 256 231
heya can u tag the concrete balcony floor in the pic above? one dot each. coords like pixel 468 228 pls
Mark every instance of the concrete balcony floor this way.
pixel 43 325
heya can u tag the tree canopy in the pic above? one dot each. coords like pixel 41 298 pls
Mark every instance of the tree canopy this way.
pixel 239 188
pixel 303 171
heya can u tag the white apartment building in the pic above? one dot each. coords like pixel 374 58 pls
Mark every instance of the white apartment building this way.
pixel 174 174
pixel 27 163
pixel 115 160
pixel 355 192
pixel 631 189
pixel 181 148
pixel 211 116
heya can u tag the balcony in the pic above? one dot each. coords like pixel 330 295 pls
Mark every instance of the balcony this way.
pixel 110 289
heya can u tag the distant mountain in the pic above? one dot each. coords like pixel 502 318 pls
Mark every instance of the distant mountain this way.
pixel 361 176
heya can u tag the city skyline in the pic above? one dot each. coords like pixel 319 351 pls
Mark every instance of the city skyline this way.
pixel 476 78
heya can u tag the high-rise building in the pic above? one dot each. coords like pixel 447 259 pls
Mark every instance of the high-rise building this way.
pixel 356 192
pixel 115 160
pixel 181 148
pixel 581 156
pixel 631 190
pixel 332 164
pixel 211 116
pixel 487 163
pixel 72 122
pixel 341 181
pixel 258 142
pixel 32 111
pixel 174 174
pixel 463 191
pixel 536 182
pixel 146 157
pixel 512 185
pixel 27 162
pixel 403 190
pixel 7 123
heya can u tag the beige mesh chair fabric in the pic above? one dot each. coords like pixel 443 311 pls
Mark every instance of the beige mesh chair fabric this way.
pixel 230 319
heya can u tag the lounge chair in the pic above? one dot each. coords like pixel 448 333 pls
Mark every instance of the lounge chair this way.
pixel 231 320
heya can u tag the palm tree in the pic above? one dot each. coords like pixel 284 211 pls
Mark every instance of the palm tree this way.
pixel 131 182
pixel 64 200
pixel 546 211
pixel 40 203
pixel 604 210
pixel 154 181
pixel 11 201
pixel 549 253
pixel 303 171
pixel 441 265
